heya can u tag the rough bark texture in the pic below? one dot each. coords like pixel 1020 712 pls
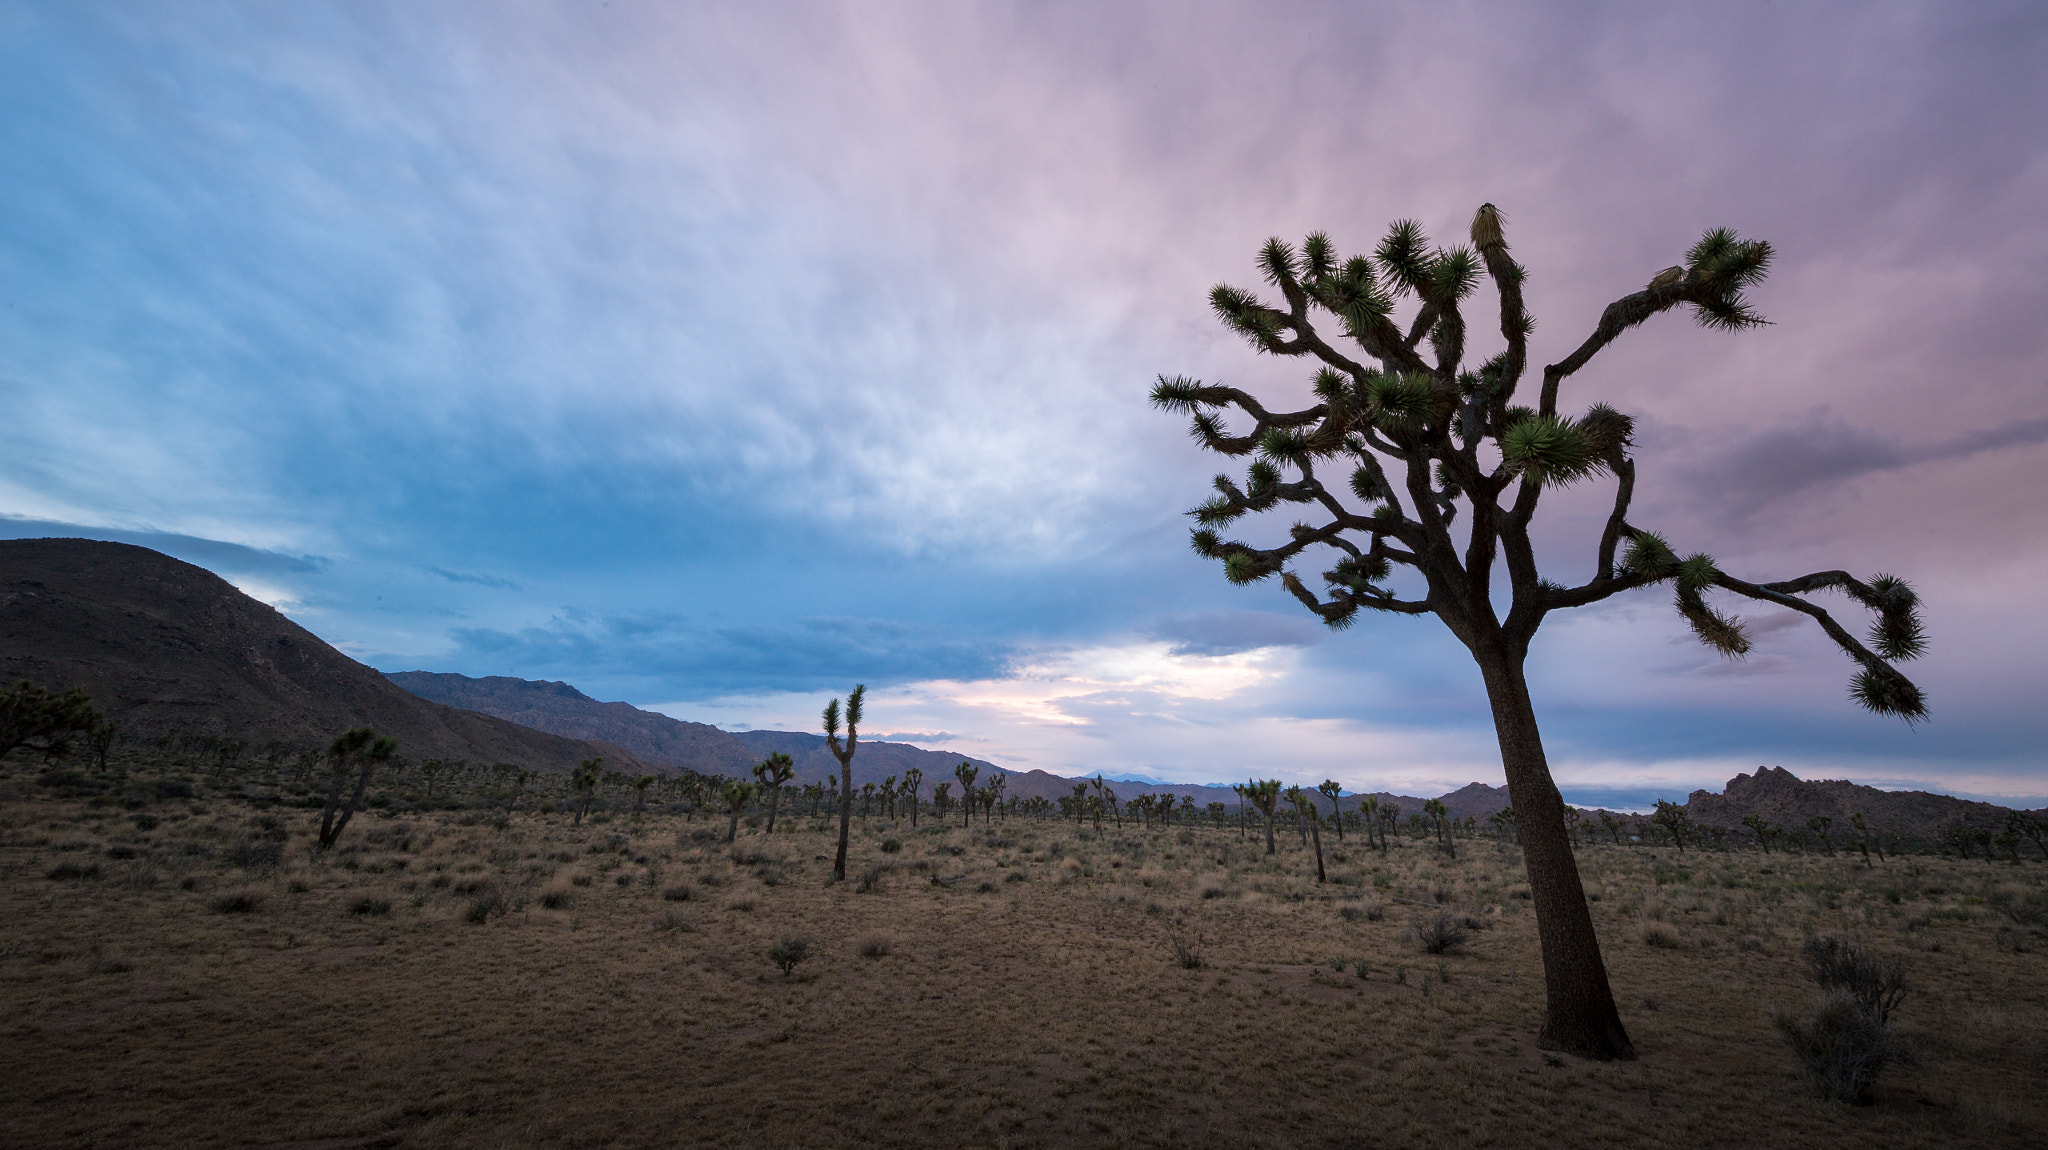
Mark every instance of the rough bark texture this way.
pixel 1579 1013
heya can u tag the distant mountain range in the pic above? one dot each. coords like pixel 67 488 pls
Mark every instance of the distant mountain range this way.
pixel 170 648
pixel 678 745
pixel 167 647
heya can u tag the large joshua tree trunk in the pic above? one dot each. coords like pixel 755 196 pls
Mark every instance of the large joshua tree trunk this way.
pixel 1579 1013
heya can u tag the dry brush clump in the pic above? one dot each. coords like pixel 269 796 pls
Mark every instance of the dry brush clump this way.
pixel 1845 1040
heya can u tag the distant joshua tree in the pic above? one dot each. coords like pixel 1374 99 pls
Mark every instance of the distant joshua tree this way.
pixel 1439 817
pixel 1674 821
pixel 845 756
pixel 912 780
pixel 1305 811
pixel 774 773
pixel 1761 828
pixel 585 779
pixel 736 795
pixel 1264 794
pixel 966 773
pixel 1333 791
pixel 640 785
pixel 356 753
pixel 34 718
pixel 1410 459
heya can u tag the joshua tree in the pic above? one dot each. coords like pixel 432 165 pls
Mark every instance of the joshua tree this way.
pixel 1757 824
pixel 640 785
pixel 942 797
pixel 966 772
pixel 1369 806
pixel 1305 811
pixel 99 741
pixel 34 718
pixel 1819 825
pixel 584 781
pixel 358 752
pixel 1264 793
pixel 1673 819
pixel 774 772
pixel 889 796
pixel 867 799
pixel 845 757
pixel 737 795
pixel 1439 816
pixel 912 779
pixel 997 781
pixel 1333 791
pixel 1456 441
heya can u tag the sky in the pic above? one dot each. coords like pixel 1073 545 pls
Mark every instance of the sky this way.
pixel 719 357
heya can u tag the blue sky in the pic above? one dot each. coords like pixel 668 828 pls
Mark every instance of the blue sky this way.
pixel 715 358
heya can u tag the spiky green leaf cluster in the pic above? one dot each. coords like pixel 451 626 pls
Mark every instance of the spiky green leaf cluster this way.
pixel 1547 449
pixel 1887 692
pixel 1727 266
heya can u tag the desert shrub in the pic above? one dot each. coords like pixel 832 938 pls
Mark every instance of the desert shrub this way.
pixel 744 902
pixel 173 789
pixel 1439 933
pixel 121 853
pixel 253 855
pixel 557 897
pixel 1877 982
pixel 870 880
pixel 484 906
pixel 370 904
pixel 1186 953
pixel 1841 1043
pixel 1661 935
pixel 874 944
pixel 681 892
pixel 236 902
pixel 672 920
pixel 145 822
pixel 1014 876
pixel 788 951
pixel 985 887
pixel 68 871
pixel 891 846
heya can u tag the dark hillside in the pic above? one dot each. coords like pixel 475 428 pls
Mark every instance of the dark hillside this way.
pixel 172 648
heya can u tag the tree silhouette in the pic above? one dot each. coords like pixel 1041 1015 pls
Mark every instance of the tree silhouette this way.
pixel 1264 793
pixel 774 772
pixel 34 718
pixel 737 795
pixel 358 752
pixel 912 779
pixel 966 772
pixel 1457 443
pixel 1305 810
pixel 1335 792
pixel 845 757
pixel 584 780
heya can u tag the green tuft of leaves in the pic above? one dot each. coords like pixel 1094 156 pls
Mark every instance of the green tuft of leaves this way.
pixel 1404 255
pixel 1279 261
pixel 1547 449
pixel 1888 693
pixel 1649 555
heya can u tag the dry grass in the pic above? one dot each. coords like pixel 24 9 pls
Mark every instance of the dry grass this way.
pixel 431 983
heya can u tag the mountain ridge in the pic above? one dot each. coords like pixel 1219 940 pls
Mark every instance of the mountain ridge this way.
pixel 167 647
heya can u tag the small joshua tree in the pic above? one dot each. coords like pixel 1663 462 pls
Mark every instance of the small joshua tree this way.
pixel 584 781
pixel 357 753
pixel 737 795
pixel 773 773
pixel 966 773
pixel 34 718
pixel 1446 470
pixel 1264 795
pixel 1673 819
pixel 1760 828
pixel 1439 817
pixel 1334 792
pixel 912 780
pixel 1305 811
pixel 845 756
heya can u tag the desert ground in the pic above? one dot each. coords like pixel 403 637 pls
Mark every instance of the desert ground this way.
pixel 187 970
